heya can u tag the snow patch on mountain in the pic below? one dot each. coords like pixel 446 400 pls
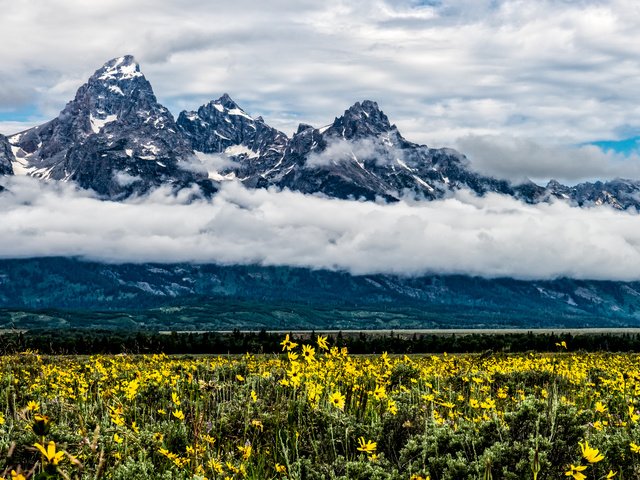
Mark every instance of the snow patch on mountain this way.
pixel 112 132
pixel 97 124
pixel 122 68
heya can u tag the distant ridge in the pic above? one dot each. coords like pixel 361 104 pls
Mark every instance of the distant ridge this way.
pixel 52 292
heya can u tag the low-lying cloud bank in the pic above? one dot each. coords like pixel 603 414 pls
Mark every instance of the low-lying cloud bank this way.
pixel 490 236
pixel 518 159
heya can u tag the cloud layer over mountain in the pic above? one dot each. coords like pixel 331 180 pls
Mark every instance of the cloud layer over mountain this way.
pixel 341 150
pixel 491 236
pixel 518 159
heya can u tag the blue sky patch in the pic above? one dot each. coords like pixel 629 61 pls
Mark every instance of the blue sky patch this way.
pixel 625 146
pixel 20 115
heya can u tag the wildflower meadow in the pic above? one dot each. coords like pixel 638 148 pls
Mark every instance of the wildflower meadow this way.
pixel 314 412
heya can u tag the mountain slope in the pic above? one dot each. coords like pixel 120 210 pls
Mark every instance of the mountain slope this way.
pixel 209 296
pixel 221 124
pixel 114 138
pixel 222 127
pixel 620 194
pixel 360 155
pixel 6 157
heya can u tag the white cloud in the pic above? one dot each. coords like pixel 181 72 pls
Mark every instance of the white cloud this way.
pixel 490 236
pixel 517 159
pixel 341 150
pixel 10 127
pixel 214 162
pixel 124 179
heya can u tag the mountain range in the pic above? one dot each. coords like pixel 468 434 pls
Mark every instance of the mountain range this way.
pixel 116 139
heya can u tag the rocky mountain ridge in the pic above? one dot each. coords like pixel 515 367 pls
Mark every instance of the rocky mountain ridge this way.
pixel 6 156
pixel 116 139
pixel 113 137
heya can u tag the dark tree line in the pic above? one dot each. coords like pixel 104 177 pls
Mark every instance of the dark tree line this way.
pixel 87 342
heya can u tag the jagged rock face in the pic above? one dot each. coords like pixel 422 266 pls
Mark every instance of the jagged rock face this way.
pixel 114 138
pixel 221 126
pixel 6 157
pixel 362 120
pixel 361 155
pixel 619 194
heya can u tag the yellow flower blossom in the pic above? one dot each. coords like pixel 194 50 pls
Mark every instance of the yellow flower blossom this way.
pixel 576 472
pixel 178 414
pixel 50 453
pixel 322 343
pixel 366 446
pixel 591 455
pixel 337 400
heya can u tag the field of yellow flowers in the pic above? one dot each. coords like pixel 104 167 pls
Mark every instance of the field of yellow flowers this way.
pixel 316 412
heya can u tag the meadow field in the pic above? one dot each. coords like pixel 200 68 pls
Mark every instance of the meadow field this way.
pixel 315 411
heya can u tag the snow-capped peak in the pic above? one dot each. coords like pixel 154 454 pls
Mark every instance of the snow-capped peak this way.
pixel 226 101
pixel 226 105
pixel 368 112
pixel 121 68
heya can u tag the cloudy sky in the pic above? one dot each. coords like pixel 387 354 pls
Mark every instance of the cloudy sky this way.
pixel 523 87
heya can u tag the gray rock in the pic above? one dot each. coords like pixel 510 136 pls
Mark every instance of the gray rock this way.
pixel 221 126
pixel 361 155
pixel 114 138
pixel 6 156
pixel 620 194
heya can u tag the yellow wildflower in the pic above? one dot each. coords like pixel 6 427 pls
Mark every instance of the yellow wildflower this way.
pixel 591 455
pixel 178 414
pixel 366 446
pixel 17 476
pixel 576 472
pixel 50 453
pixel 337 400
pixel 322 343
